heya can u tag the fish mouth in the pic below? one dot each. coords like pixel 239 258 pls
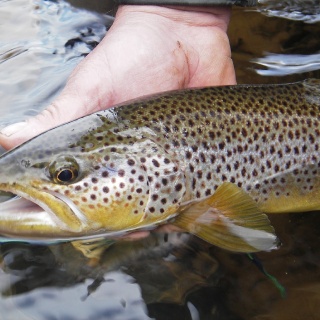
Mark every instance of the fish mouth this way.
pixel 36 214
pixel 40 216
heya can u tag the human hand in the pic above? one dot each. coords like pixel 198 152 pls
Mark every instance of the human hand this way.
pixel 148 49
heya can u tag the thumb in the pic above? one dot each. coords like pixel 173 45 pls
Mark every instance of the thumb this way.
pixel 55 114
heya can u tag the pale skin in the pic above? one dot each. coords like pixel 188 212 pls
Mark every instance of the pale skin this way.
pixel 148 49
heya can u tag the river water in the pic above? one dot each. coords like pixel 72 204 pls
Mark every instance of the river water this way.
pixel 161 277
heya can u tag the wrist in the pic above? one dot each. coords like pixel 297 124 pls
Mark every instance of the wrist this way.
pixel 191 3
pixel 200 16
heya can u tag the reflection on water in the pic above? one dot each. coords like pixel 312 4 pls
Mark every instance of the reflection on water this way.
pixel 161 277
pixel 307 11
pixel 38 52
pixel 284 64
pixel 131 277
pixel 274 49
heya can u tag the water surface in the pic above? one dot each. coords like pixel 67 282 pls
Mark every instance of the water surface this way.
pixel 161 277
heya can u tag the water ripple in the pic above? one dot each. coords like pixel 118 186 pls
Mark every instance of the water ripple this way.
pixel 38 52
pixel 307 11
pixel 287 64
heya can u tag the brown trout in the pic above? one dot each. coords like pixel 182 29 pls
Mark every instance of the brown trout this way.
pixel 211 161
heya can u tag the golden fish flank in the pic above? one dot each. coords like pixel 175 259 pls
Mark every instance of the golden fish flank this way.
pixel 209 160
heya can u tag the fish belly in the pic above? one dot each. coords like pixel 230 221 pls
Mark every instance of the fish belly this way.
pixel 299 192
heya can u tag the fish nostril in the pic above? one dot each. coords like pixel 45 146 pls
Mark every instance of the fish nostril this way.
pixel 25 163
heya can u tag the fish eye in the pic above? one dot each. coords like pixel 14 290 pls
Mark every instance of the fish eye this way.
pixel 66 175
pixel 64 170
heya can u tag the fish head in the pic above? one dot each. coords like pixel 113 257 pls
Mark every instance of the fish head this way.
pixel 89 182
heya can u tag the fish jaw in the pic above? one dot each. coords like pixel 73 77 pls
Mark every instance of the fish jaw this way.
pixel 37 221
pixel 57 219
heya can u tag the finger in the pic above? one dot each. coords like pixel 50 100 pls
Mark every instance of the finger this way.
pixel 135 235
pixel 51 117
pixel 168 228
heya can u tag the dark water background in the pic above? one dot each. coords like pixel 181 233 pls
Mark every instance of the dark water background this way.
pixel 175 277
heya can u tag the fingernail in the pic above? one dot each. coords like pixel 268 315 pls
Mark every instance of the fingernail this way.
pixel 13 128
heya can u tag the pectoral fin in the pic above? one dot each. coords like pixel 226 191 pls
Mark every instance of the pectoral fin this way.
pixel 231 220
pixel 92 248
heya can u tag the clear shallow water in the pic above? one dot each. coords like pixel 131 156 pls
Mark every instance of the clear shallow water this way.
pixel 271 46
pixel 155 278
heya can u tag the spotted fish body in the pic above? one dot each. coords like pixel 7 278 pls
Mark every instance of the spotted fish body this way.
pixel 197 157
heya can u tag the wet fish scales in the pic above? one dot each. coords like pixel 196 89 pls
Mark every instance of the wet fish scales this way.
pixel 210 157
pixel 265 139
